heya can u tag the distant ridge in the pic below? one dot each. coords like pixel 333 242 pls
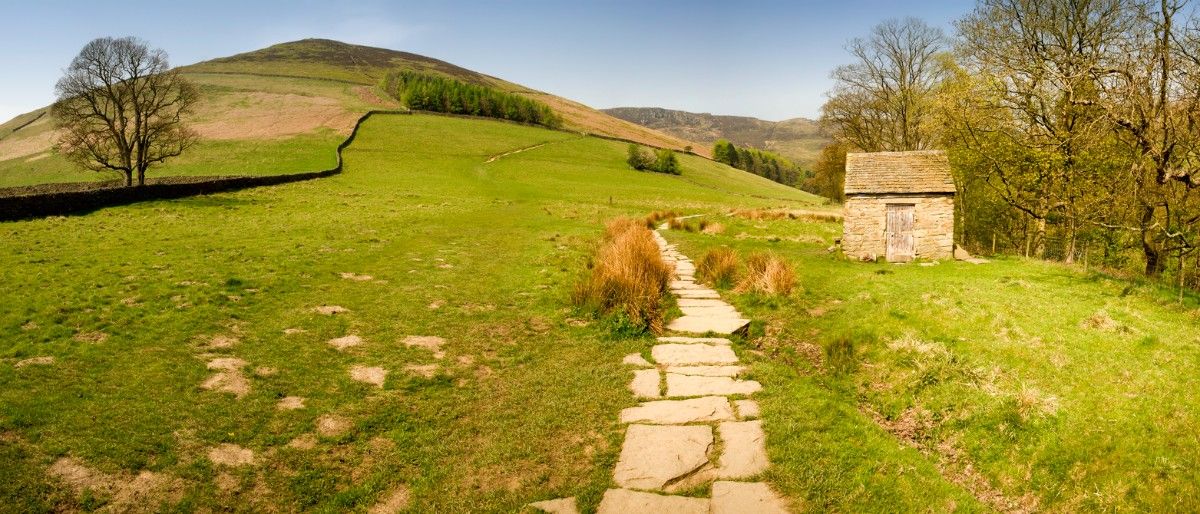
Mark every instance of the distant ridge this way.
pixel 799 138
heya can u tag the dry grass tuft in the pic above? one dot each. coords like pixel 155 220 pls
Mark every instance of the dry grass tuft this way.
pixel 769 274
pixel 713 228
pixel 628 278
pixel 653 219
pixel 718 267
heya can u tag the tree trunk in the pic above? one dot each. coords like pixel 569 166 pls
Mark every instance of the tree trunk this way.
pixel 1150 247
pixel 128 178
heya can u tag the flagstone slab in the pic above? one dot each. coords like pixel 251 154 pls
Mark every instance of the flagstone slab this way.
pixel 745 453
pixel 684 284
pixel 694 340
pixel 636 359
pixel 745 498
pixel 624 501
pixel 691 354
pixel 702 302
pixel 706 324
pixel 696 293
pixel 645 383
pixel 558 506
pixel 678 412
pixel 715 311
pixel 690 385
pixel 654 456
pixel 747 409
pixel 707 371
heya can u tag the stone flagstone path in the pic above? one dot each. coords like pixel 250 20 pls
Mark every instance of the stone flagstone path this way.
pixel 694 404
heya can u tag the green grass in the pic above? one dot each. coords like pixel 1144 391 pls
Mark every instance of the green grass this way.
pixel 308 152
pixel 1064 390
pixel 524 407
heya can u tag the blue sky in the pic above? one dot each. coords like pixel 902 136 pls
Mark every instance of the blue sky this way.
pixel 765 59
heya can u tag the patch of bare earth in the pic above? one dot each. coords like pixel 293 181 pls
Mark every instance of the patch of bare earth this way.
pixel 34 361
pixel 331 310
pixel 145 492
pixel 356 277
pixel 369 375
pixel 303 442
pixel 290 403
pixel 394 501
pixel 91 337
pixel 424 370
pixel 229 377
pixel 341 343
pixel 331 425
pixel 431 343
pixel 231 455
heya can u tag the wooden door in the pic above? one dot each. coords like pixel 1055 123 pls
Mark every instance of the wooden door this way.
pixel 899 233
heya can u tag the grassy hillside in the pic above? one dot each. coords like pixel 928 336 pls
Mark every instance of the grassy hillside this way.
pixel 130 302
pixel 276 102
pixel 799 139
pixel 1013 385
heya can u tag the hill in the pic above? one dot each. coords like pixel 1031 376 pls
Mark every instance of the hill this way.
pixel 798 138
pixel 283 108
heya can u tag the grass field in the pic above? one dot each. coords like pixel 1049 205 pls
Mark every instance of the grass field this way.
pixel 1005 386
pixel 1028 385
pixel 521 407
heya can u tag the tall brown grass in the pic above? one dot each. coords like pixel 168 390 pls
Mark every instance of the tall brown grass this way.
pixel 718 267
pixel 628 277
pixel 655 217
pixel 769 274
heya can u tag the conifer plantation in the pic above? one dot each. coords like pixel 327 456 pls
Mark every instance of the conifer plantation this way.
pixel 425 92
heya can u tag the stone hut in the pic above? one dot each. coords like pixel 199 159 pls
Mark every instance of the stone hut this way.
pixel 899 205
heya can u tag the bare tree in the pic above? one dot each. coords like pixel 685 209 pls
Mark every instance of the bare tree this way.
pixel 120 108
pixel 883 101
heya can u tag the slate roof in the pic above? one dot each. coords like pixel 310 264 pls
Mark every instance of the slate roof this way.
pixel 924 171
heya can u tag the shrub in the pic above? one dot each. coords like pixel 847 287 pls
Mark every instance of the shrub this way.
pixel 637 159
pixel 628 278
pixel 713 228
pixel 767 274
pixel 666 162
pixel 718 267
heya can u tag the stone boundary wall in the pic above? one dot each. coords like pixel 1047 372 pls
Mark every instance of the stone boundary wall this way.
pixel 865 224
pixel 19 203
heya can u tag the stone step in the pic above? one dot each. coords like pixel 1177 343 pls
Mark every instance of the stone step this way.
pixel 678 412
pixel 747 409
pixel 654 456
pixel 636 359
pixel 717 311
pixel 645 383
pixel 679 354
pixel 707 371
pixel 745 453
pixel 624 501
pixel 694 340
pixel 558 506
pixel 702 302
pixel 708 294
pixel 706 324
pixel 689 385
pixel 745 498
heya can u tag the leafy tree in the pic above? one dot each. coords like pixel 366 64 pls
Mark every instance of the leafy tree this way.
pixel 121 108
pixel 637 159
pixel 666 162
